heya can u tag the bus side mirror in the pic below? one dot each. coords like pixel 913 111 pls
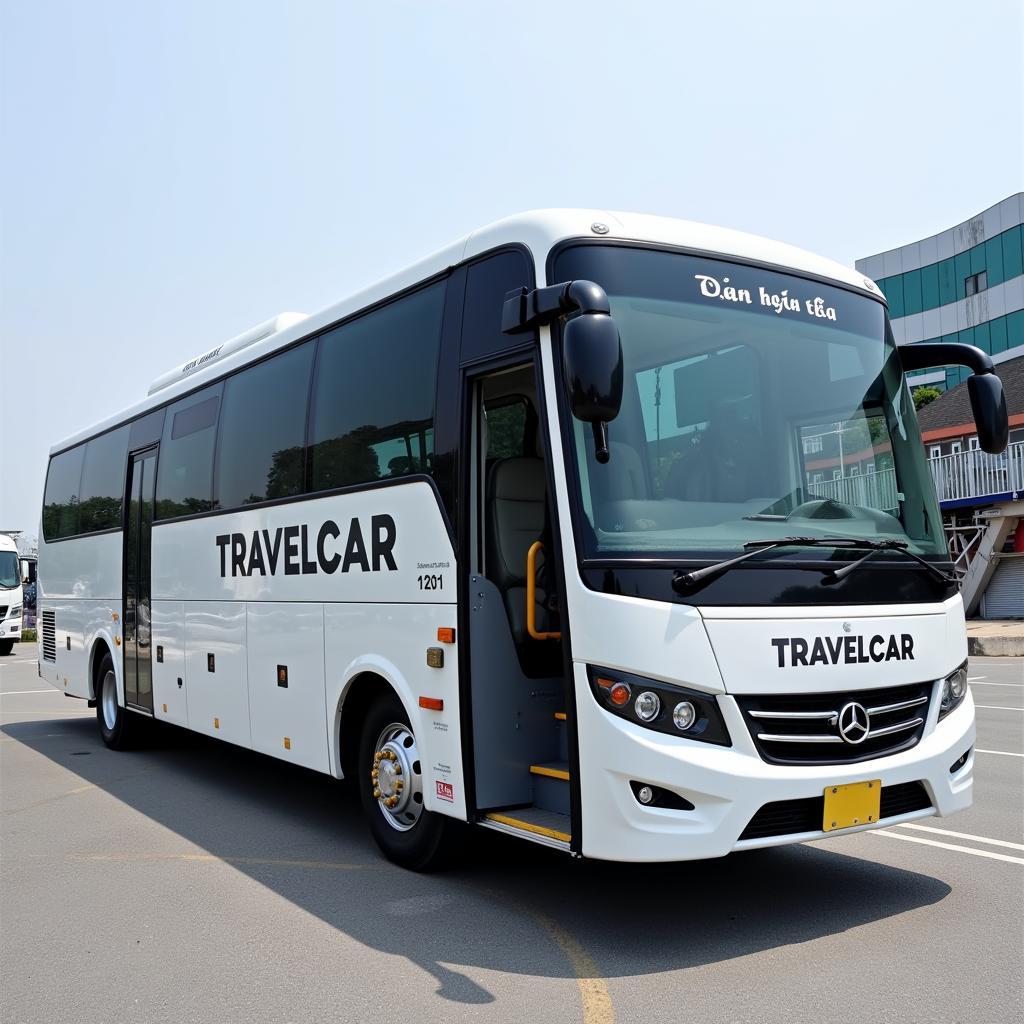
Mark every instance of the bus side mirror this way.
pixel 591 350
pixel 592 355
pixel 988 403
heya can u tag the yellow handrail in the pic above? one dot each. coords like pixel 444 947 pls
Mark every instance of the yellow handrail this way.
pixel 531 595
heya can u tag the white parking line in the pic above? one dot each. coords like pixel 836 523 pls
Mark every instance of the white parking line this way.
pixel 1005 753
pixel 961 835
pixel 997 707
pixel 1015 686
pixel 12 693
pixel 947 846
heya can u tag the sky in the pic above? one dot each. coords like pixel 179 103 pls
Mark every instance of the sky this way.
pixel 176 172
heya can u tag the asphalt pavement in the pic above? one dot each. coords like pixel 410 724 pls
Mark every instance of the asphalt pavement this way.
pixel 194 881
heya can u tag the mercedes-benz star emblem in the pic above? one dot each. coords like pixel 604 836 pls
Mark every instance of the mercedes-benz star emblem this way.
pixel 854 724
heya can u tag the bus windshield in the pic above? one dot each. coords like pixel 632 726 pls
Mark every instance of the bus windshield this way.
pixel 756 404
pixel 10 575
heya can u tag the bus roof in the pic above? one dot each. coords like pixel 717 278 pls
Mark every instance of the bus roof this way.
pixel 539 230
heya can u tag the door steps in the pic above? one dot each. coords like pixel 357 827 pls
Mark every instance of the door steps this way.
pixel 534 823
pixel 547 820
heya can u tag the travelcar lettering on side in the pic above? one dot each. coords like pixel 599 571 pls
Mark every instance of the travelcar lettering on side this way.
pixel 294 551
pixel 849 650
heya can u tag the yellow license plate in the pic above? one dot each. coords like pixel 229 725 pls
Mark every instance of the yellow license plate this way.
pixel 856 803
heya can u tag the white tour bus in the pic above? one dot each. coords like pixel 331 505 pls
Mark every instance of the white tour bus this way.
pixel 10 594
pixel 543 534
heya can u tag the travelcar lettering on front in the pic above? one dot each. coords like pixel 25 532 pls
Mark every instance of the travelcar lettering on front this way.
pixel 292 550
pixel 847 650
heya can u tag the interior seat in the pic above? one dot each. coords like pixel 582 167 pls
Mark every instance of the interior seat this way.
pixel 515 503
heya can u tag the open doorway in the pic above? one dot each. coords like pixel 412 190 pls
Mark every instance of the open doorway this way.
pixel 516 655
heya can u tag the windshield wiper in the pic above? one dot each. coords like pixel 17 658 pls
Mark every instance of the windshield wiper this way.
pixel 690 579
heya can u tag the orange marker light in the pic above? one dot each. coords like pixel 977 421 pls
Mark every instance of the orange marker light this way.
pixel 445 634
pixel 432 703
pixel 618 693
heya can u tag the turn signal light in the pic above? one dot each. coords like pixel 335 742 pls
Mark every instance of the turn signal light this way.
pixel 618 693
pixel 445 634
pixel 432 703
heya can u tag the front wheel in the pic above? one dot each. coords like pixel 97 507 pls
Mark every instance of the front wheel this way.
pixel 119 729
pixel 391 791
pixel 6 646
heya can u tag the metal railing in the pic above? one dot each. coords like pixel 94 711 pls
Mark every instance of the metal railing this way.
pixel 871 490
pixel 976 474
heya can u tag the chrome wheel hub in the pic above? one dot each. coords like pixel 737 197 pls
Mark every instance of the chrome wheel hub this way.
pixel 108 699
pixel 397 778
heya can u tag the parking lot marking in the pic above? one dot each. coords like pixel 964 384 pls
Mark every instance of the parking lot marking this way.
pixel 11 693
pixel 996 707
pixel 1014 686
pixel 1005 753
pixel 211 858
pixel 59 714
pixel 947 846
pixel 597 1000
pixel 962 835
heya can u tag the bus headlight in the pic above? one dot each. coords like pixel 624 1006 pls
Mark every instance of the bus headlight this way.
pixel 954 689
pixel 664 707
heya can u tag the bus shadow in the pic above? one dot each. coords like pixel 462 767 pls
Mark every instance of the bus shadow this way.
pixel 508 906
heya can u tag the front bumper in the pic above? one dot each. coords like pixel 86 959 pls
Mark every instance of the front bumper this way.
pixel 728 785
pixel 10 629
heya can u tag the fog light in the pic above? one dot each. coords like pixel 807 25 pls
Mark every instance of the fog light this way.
pixel 647 706
pixel 645 794
pixel 684 715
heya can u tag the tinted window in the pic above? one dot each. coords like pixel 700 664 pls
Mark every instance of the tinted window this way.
pixel 506 430
pixel 488 283
pixel 60 503
pixel 185 471
pixel 260 452
pixel 99 506
pixel 373 400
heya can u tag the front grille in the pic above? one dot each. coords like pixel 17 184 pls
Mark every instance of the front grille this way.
pixel 804 728
pixel 49 636
pixel 792 817
pixel 3 611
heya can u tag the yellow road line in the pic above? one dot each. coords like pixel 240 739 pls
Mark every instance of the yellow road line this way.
pixel 594 994
pixel 210 858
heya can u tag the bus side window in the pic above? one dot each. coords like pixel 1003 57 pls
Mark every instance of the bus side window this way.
pixel 373 397
pixel 184 483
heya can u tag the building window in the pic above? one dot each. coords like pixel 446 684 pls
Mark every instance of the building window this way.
pixel 972 444
pixel 837 474
pixel 955 447
pixel 812 445
pixel 976 283
pixel 935 451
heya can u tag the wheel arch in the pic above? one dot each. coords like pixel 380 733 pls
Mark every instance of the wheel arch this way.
pixel 102 645
pixel 364 680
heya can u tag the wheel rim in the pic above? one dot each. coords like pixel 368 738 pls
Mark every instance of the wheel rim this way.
pixel 396 777
pixel 108 700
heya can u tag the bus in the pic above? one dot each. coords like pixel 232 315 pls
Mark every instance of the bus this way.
pixel 10 593
pixel 528 536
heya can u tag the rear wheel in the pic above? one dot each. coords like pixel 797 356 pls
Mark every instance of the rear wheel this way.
pixel 390 781
pixel 119 728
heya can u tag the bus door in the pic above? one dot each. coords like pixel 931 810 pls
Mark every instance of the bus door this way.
pixel 517 673
pixel 139 499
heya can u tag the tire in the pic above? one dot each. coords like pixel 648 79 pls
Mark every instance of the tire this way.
pixel 119 729
pixel 6 646
pixel 407 833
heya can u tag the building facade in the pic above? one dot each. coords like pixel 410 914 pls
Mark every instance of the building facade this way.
pixel 964 284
